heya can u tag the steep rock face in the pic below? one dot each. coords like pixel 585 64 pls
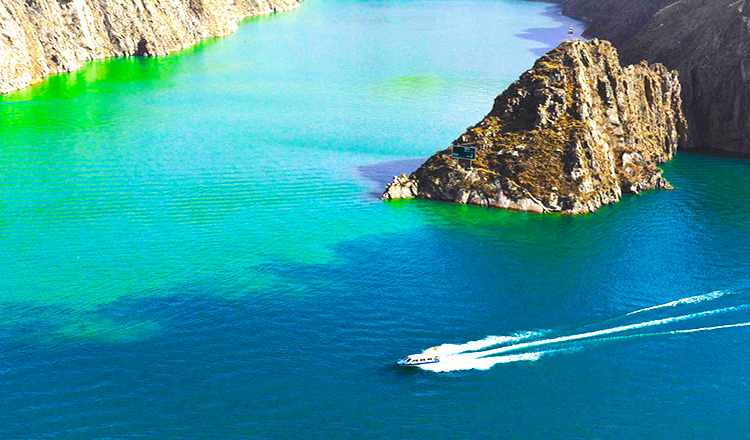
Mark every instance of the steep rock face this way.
pixel 614 20
pixel 41 37
pixel 707 41
pixel 572 134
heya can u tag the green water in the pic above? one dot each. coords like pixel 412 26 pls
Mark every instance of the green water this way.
pixel 135 174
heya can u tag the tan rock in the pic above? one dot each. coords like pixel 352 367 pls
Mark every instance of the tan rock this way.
pixel 581 131
pixel 42 37
pixel 401 188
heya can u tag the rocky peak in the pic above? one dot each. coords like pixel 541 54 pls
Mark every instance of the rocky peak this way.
pixel 575 132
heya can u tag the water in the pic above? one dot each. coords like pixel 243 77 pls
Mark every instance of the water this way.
pixel 192 247
pixel 483 354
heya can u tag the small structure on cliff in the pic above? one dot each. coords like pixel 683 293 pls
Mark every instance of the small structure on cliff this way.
pixel 575 132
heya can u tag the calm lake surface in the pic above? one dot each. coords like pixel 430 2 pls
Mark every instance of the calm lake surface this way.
pixel 192 247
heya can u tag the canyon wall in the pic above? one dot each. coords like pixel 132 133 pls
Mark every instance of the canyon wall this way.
pixel 42 37
pixel 706 41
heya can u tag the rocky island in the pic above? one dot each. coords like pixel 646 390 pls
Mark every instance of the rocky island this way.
pixel 575 132
pixel 42 37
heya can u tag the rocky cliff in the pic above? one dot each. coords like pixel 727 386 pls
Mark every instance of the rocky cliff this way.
pixel 41 37
pixel 572 134
pixel 707 41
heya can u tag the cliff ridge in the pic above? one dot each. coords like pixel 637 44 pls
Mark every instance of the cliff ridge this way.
pixel 575 132
pixel 706 41
pixel 42 37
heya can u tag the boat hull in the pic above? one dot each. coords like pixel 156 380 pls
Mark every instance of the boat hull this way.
pixel 414 364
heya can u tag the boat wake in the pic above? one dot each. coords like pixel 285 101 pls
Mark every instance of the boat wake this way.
pixel 689 315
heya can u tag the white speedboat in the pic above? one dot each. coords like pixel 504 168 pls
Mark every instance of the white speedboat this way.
pixel 419 359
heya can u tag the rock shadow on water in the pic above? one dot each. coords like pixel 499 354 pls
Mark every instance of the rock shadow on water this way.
pixel 552 36
pixel 382 173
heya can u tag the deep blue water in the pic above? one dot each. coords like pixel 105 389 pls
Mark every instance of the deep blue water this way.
pixel 192 247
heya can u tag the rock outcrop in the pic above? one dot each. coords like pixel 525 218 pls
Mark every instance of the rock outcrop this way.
pixel 572 134
pixel 706 41
pixel 42 37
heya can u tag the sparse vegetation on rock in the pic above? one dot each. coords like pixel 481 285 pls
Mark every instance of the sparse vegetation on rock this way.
pixel 574 133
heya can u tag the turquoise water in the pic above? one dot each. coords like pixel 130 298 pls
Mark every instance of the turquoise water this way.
pixel 192 247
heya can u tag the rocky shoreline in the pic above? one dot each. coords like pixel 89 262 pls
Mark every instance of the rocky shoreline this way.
pixel 574 133
pixel 43 37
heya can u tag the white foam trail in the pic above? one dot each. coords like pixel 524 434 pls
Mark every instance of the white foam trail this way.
pixel 609 331
pixel 467 362
pixel 474 361
pixel 482 360
pixel 690 300
pixel 673 332
pixel 703 329
pixel 489 341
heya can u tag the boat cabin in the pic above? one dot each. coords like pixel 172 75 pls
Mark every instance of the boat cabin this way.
pixel 419 359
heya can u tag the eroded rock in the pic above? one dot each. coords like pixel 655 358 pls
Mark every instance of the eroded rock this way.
pixel 706 41
pixel 575 132
pixel 402 187
pixel 41 37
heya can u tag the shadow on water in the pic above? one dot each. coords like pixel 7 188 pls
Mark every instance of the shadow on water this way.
pixel 715 152
pixel 382 173
pixel 552 37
